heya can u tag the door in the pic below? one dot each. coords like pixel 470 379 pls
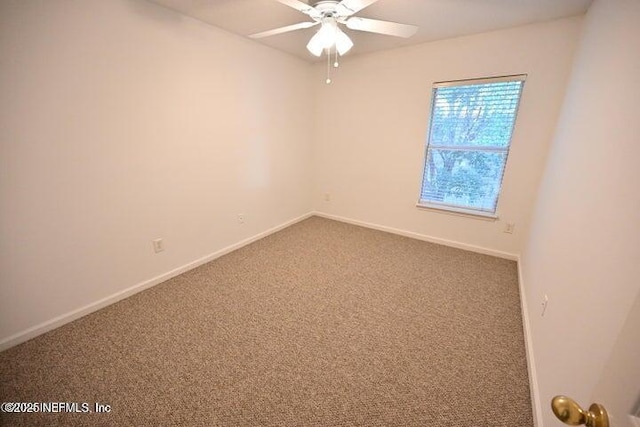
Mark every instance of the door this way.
pixel 618 389
pixel 619 386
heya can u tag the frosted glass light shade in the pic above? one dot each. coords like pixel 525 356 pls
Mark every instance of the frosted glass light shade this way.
pixel 343 42
pixel 328 35
pixel 315 45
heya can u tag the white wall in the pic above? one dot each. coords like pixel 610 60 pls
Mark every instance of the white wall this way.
pixel 583 251
pixel 123 122
pixel 371 128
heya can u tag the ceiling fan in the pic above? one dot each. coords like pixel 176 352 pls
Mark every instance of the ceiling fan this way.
pixel 330 14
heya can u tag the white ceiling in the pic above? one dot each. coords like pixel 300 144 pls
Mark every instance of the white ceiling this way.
pixel 437 19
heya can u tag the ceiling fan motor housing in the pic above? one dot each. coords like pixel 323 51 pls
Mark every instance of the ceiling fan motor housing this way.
pixel 327 8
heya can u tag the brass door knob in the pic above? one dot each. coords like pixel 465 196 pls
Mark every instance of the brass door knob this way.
pixel 569 412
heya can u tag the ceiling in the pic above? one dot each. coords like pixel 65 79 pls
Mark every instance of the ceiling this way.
pixel 437 19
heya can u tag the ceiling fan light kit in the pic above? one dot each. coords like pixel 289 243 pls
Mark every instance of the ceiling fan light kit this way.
pixel 328 36
pixel 330 14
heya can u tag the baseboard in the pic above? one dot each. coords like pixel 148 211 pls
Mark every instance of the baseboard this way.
pixel 56 322
pixel 426 238
pixel 528 343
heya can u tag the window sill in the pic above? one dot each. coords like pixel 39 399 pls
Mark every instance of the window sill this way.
pixel 458 211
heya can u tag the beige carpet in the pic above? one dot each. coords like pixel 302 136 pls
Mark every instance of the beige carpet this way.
pixel 321 324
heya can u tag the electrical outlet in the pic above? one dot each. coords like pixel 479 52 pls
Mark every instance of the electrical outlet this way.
pixel 545 304
pixel 327 197
pixel 158 245
pixel 241 218
pixel 509 227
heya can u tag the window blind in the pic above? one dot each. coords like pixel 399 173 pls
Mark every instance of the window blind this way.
pixel 469 138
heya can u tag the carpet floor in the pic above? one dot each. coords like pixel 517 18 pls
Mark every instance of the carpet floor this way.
pixel 320 324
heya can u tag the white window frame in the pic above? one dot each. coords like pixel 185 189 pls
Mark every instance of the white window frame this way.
pixel 455 209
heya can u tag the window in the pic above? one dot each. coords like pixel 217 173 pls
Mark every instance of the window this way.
pixel 469 137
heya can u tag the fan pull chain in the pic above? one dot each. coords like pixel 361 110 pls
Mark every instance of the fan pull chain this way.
pixel 336 64
pixel 329 65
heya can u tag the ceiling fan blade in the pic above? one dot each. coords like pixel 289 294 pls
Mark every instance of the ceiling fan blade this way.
pixel 349 7
pixel 302 7
pixel 281 30
pixel 381 27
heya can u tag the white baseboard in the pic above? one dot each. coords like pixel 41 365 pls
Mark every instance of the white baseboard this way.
pixel 58 321
pixel 426 238
pixel 528 343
